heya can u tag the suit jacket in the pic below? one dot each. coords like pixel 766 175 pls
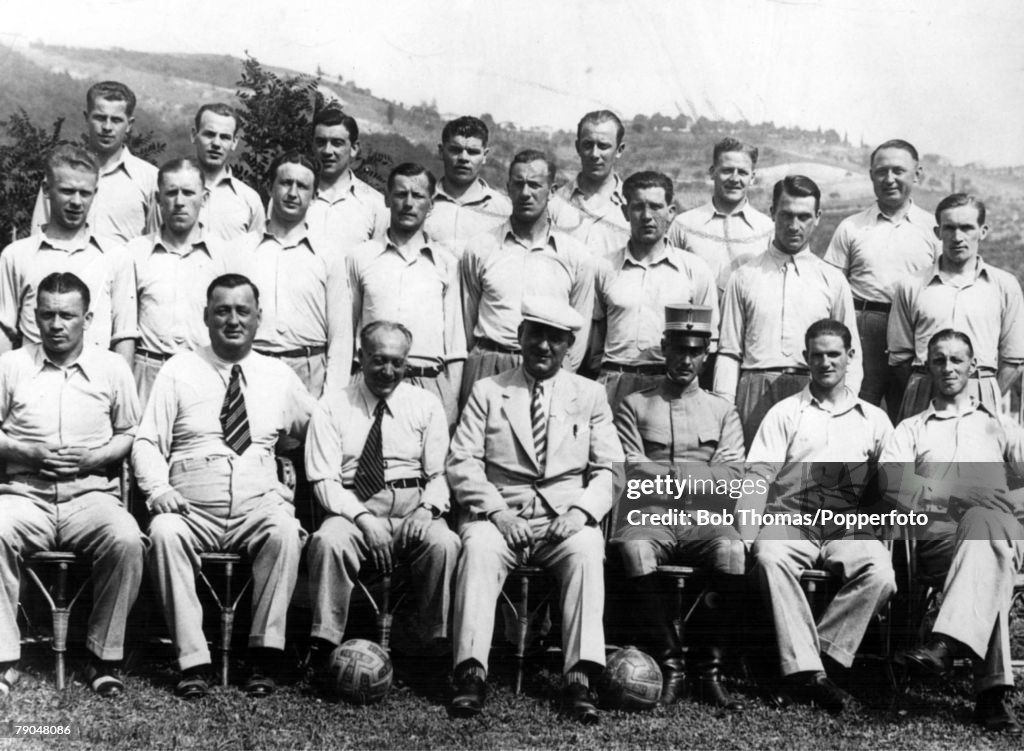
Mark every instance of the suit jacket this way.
pixel 492 464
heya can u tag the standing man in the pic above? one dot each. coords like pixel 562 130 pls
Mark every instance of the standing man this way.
pixel 125 205
pixel 964 293
pixel 635 283
pixel 204 457
pixel 345 210
pixel 375 455
pixel 464 205
pixel 69 243
pixel 957 453
pixel 770 302
pixel 524 257
pixel 232 208
pixel 591 205
pixel 409 278
pixel 819 450
pixel 67 416
pixel 726 231
pixel 875 249
pixel 531 466
pixel 307 308
pixel 688 432
pixel 173 268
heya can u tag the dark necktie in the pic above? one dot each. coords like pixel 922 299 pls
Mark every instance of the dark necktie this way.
pixel 234 420
pixel 369 479
pixel 540 424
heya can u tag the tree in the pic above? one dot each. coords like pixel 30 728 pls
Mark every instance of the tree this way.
pixel 276 115
pixel 22 166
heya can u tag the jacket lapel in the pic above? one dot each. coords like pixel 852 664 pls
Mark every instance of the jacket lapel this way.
pixel 516 404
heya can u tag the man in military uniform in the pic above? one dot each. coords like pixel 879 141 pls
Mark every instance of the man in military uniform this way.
pixel 682 430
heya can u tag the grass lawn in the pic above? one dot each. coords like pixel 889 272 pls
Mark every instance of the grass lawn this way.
pixel 149 716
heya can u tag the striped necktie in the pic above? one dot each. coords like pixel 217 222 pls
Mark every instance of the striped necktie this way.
pixel 369 479
pixel 234 420
pixel 540 424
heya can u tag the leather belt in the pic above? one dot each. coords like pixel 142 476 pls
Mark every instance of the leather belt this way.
pixel 649 369
pixel 151 355
pixel 877 307
pixel 492 346
pixel 404 482
pixel 783 371
pixel 415 371
pixel 979 373
pixel 298 352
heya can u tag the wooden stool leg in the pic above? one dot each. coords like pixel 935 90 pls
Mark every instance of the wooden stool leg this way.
pixel 523 620
pixel 61 615
pixel 227 623
pixel 384 615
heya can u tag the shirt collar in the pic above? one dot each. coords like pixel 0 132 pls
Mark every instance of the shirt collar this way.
pixel 419 245
pixel 661 254
pixel 800 260
pixel 975 406
pixel 370 400
pixel 199 244
pixel 87 238
pixel 508 234
pixel 980 269
pixel 708 212
pixel 87 362
pixel 614 194
pixel 478 192
pixel 305 239
pixel 850 402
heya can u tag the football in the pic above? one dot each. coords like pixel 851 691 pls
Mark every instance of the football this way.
pixel 360 671
pixel 631 680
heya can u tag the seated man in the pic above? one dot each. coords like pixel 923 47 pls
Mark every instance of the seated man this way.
pixel 531 466
pixel 68 412
pixel 375 455
pixel 819 450
pixel 954 453
pixel 204 457
pixel 684 431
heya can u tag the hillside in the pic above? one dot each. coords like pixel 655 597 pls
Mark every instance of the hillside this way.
pixel 49 82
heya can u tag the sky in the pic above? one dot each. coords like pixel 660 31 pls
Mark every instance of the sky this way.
pixel 945 74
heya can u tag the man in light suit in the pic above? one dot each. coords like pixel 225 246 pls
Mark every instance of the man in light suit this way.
pixel 531 467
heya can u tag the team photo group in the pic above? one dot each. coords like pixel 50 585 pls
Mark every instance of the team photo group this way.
pixel 450 383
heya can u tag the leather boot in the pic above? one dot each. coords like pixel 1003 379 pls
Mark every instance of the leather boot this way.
pixel 706 632
pixel 656 617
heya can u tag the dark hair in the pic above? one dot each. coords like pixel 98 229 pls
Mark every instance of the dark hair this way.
pixel 602 116
pixel 231 281
pixel 828 327
pixel 797 186
pixel 334 115
pixel 64 282
pixel 960 199
pixel 178 165
pixel 113 91
pixel 217 108
pixel 411 169
pixel 467 127
pixel 895 143
pixel 71 155
pixel 951 335
pixel 730 144
pixel 294 156
pixel 533 155
pixel 386 327
pixel 648 179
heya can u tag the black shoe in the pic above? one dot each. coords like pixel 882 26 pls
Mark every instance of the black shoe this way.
pixel 934 658
pixel 470 692
pixel 103 679
pixel 820 690
pixel 581 704
pixel 709 690
pixel 673 680
pixel 993 713
pixel 192 686
pixel 259 684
